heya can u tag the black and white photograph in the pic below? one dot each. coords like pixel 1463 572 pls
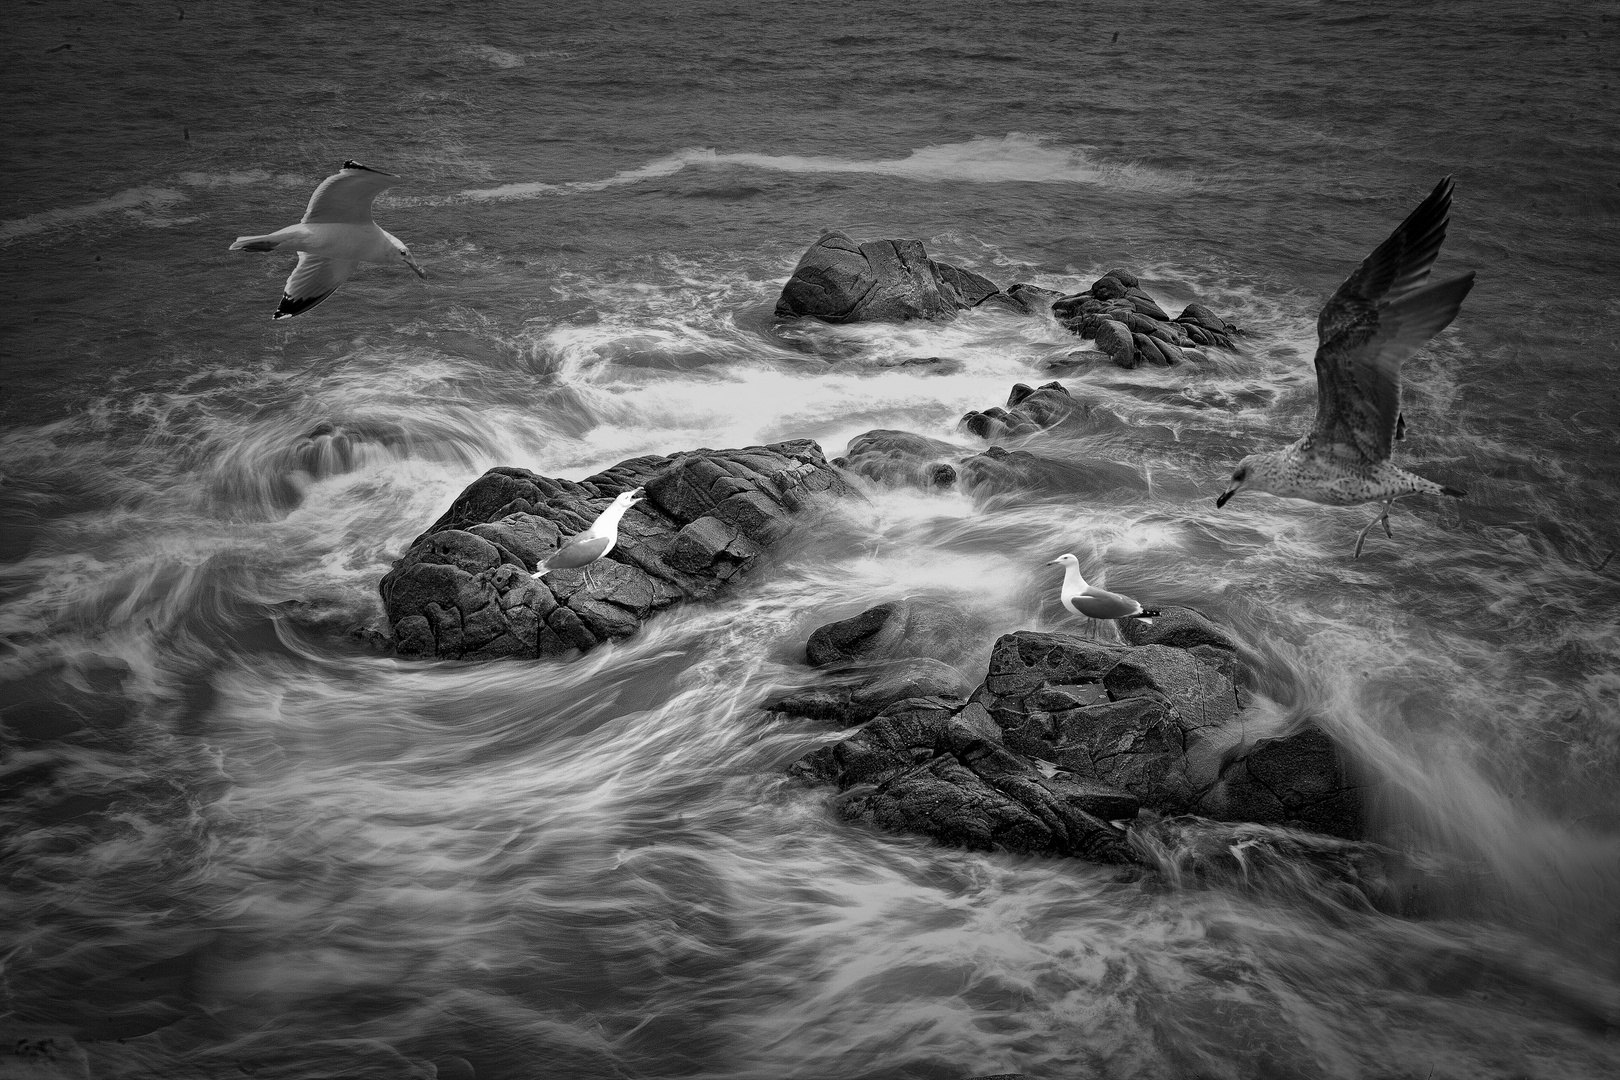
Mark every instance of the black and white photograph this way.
pixel 726 540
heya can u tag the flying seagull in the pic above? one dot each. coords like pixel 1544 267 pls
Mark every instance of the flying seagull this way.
pixel 1383 313
pixel 595 542
pixel 1092 602
pixel 336 235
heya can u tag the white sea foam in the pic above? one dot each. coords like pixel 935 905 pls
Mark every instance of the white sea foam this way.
pixel 1013 158
pixel 143 205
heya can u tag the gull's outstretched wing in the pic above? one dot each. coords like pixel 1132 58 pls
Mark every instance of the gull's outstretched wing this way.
pixel 345 197
pixel 1383 313
pixel 313 280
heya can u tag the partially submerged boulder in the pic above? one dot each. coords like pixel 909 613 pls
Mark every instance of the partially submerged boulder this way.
pixel 915 627
pixel 464 590
pixel 1031 409
pixel 902 459
pixel 840 281
pixel 1066 739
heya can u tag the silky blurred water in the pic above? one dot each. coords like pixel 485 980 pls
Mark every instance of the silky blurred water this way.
pixel 238 842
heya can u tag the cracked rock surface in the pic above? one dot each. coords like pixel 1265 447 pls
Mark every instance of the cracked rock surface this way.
pixel 464 590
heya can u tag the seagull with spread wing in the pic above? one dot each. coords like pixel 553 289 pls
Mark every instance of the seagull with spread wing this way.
pixel 1384 312
pixel 336 235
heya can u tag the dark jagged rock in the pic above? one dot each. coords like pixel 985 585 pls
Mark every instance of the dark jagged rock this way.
pixel 931 766
pixel 464 590
pixel 894 630
pixel 840 281
pixel 1117 313
pixel 1066 735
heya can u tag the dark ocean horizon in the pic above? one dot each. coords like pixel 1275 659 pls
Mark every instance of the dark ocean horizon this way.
pixel 236 843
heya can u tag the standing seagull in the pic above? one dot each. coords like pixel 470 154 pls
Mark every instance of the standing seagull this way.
pixel 1382 314
pixel 595 542
pixel 1095 603
pixel 336 235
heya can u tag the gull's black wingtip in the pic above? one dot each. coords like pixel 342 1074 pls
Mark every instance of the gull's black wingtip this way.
pixel 1455 493
pixel 290 307
pixel 353 164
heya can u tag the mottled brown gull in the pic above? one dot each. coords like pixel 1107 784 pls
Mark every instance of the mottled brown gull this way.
pixel 1383 313
pixel 336 235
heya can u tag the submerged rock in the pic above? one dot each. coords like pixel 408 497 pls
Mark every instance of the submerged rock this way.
pixel 1065 741
pixel 902 459
pixel 464 590
pixel 1030 409
pixel 1191 851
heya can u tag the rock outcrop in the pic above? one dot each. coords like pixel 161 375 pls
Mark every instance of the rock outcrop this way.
pixel 1067 739
pixel 840 281
pixel 1131 327
pixel 464 590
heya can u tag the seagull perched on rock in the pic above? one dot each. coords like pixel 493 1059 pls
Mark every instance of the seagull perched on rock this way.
pixel 595 542
pixel 1095 603
pixel 336 235
pixel 1383 313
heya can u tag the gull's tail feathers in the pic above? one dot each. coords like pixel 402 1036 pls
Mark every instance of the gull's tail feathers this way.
pixel 1147 615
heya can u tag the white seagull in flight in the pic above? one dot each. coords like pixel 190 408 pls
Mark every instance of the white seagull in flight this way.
pixel 336 235
pixel 594 543
pixel 1383 313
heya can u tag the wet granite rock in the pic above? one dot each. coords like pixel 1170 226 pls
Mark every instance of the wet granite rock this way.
pixel 464 590
pixel 935 767
pixel 1066 739
pixel 841 281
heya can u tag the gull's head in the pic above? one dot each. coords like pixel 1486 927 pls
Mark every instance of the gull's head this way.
pixel 1249 473
pixel 626 499
pixel 1071 568
pixel 405 257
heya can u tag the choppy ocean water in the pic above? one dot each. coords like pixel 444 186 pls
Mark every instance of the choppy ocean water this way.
pixel 235 845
